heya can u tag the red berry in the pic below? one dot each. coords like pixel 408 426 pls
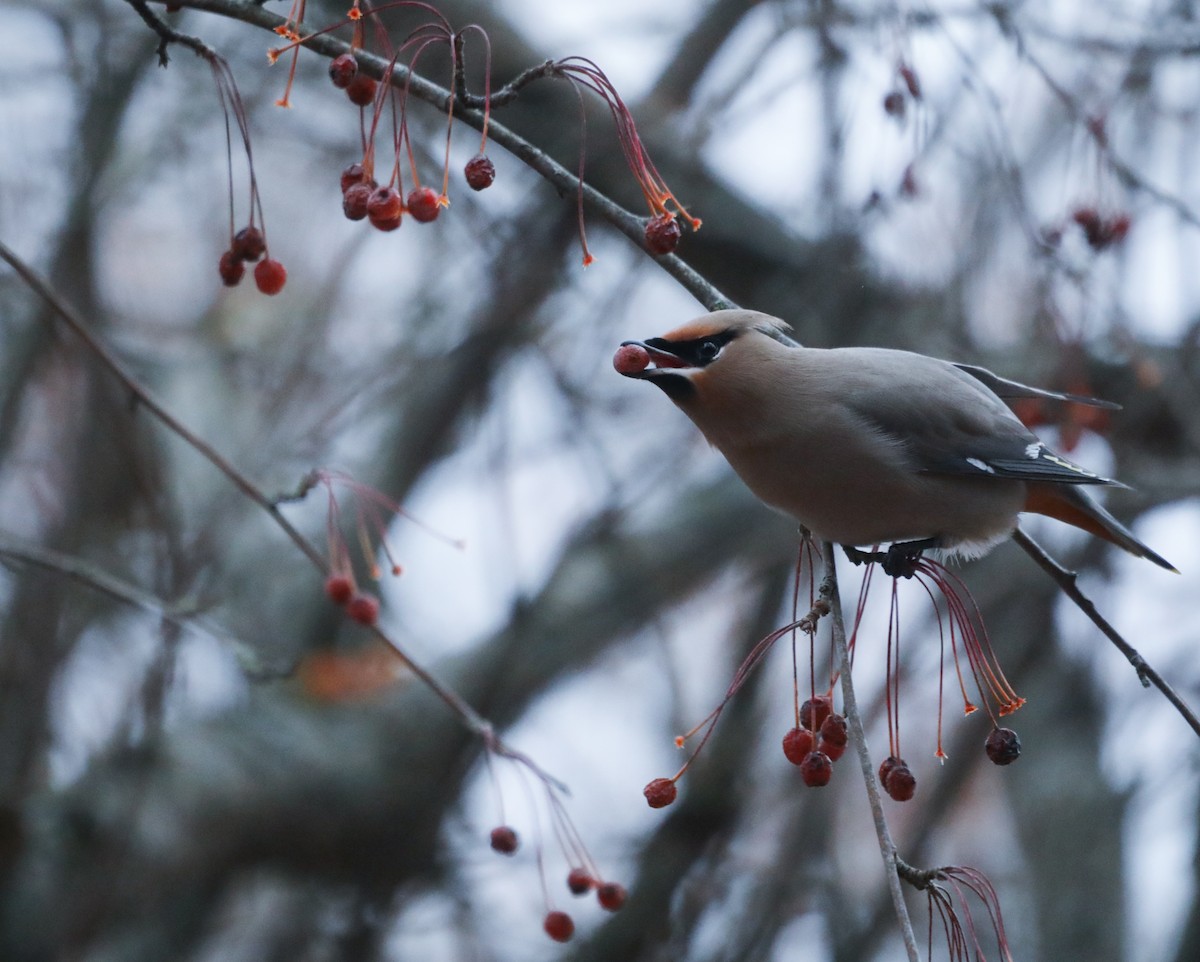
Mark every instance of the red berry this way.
pixel 231 269
pixel 611 895
pixel 900 783
pixel 1118 227
pixel 385 208
pixel 662 234
pixel 353 174
pixel 363 608
pixel 249 244
pixel 579 881
pixel 885 768
pixel 631 358
pixel 814 712
pixel 342 70
pixel 361 90
pixel 423 204
pixel 894 104
pixel 355 200
pixel 504 840
pixel 816 769
pixel 1093 225
pixel 339 588
pixel 480 172
pixel 833 730
pixel 833 751
pixel 1003 746
pixel 270 276
pixel 660 793
pixel 558 926
pixel 797 745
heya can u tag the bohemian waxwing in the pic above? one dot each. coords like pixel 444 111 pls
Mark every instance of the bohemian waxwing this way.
pixel 865 446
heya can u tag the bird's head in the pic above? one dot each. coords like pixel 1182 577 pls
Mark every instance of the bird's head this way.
pixel 681 361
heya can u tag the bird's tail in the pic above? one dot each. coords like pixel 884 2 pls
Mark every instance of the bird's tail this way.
pixel 1070 503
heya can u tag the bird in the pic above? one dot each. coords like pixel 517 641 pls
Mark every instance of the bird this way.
pixel 867 446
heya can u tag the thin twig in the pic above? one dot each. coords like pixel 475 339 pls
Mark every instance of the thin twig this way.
pixel 564 180
pixel 1068 581
pixel 168 36
pixel 887 848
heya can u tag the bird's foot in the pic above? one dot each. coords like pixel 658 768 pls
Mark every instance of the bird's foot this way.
pixel 898 561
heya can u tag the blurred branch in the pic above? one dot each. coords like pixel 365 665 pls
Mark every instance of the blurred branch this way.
pixel 1068 581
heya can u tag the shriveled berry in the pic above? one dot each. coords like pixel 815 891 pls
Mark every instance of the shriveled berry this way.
pixel 814 711
pixel 270 276
pixel 480 172
pixel 385 208
pixel 1003 746
pixel 231 269
pixel 816 769
pixel 797 745
pixel 342 70
pixel 631 358
pixel 660 793
pixel 834 731
pixel 611 895
pixel 363 608
pixel 662 234
pixel 423 204
pixel 504 840
pixel 249 244
pixel 361 90
pixel 353 174
pixel 580 881
pixel 558 926
pixel 339 589
pixel 833 751
pixel 356 199
pixel 900 783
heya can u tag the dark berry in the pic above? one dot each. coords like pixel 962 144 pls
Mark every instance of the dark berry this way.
pixel 900 783
pixel 270 276
pixel 1003 746
pixel 249 244
pixel 385 208
pixel 504 840
pixel 662 234
pixel 833 730
pixel 885 768
pixel 558 926
pixel 353 174
pixel 797 744
pixel 231 269
pixel 611 895
pixel 909 76
pixel 894 104
pixel 660 793
pixel 580 881
pixel 814 712
pixel 361 90
pixel 480 172
pixel 342 70
pixel 423 204
pixel 816 769
pixel 1093 226
pixel 363 608
pixel 356 200
pixel 339 588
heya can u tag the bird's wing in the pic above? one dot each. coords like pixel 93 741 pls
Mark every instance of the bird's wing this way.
pixel 1006 389
pixel 950 423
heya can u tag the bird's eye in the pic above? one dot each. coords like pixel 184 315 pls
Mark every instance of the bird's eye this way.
pixel 709 350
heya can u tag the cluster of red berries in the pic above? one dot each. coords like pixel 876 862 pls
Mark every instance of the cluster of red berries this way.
pixel 246 247
pixel 1101 230
pixel 360 606
pixel 818 742
pixel 558 924
pixel 895 102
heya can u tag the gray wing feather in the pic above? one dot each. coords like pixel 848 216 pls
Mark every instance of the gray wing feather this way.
pixel 1004 388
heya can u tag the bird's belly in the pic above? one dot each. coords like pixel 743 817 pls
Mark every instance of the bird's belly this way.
pixel 872 503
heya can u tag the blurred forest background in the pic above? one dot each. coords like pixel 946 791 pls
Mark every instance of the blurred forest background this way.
pixel 171 788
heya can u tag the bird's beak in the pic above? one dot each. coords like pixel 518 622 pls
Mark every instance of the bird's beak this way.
pixel 661 358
